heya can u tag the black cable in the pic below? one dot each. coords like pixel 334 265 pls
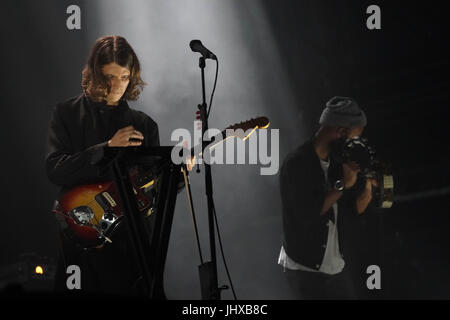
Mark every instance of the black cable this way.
pixel 213 206
pixel 222 253
pixel 214 88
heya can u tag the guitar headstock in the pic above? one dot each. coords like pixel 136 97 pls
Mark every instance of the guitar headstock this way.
pixel 244 129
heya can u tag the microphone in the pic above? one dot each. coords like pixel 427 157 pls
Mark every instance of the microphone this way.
pixel 197 46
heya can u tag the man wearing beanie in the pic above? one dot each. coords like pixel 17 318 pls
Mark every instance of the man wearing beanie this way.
pixel 316 192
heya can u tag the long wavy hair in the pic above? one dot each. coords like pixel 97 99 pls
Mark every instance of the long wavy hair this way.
pixel 106 50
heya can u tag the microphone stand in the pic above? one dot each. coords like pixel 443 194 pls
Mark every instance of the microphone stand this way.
pixel 208 270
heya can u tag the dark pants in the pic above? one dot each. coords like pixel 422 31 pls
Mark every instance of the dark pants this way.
pixel 109 270
pixel 317 285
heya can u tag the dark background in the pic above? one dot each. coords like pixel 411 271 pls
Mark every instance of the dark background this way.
pixel 280 59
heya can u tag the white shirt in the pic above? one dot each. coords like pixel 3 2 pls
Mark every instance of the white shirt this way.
pixel 332 262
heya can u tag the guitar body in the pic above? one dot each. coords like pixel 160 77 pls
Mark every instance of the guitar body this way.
pixel 93 211
pixel 83 197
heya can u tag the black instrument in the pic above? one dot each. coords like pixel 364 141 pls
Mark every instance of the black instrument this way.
pixel 149 248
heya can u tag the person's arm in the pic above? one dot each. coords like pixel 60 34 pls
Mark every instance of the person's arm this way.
pixel 363 200
pixel 350 175
pixel 63 166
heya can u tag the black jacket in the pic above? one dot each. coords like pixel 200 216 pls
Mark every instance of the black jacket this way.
pixel 77 153
pixel 78 134
pixel 303 189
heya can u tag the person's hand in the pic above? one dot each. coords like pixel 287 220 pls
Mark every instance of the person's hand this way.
pixel 372 182
pixel 366 196
pixel 350 171
pixel 122 138
pixel 190 161
pixel 369 185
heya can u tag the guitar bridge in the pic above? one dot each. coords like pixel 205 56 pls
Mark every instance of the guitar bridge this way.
pixel 82 215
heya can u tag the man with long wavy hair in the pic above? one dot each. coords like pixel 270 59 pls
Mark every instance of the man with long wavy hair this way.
pixel 82 130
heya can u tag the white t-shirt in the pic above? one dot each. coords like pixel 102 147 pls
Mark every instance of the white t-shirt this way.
pixel 332 262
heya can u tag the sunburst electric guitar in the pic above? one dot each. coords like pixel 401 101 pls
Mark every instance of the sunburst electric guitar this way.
pixel 93 212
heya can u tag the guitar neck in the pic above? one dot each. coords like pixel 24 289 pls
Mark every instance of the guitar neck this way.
pixel 241 130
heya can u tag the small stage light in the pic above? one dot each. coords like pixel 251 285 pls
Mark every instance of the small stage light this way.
pixel 39 270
